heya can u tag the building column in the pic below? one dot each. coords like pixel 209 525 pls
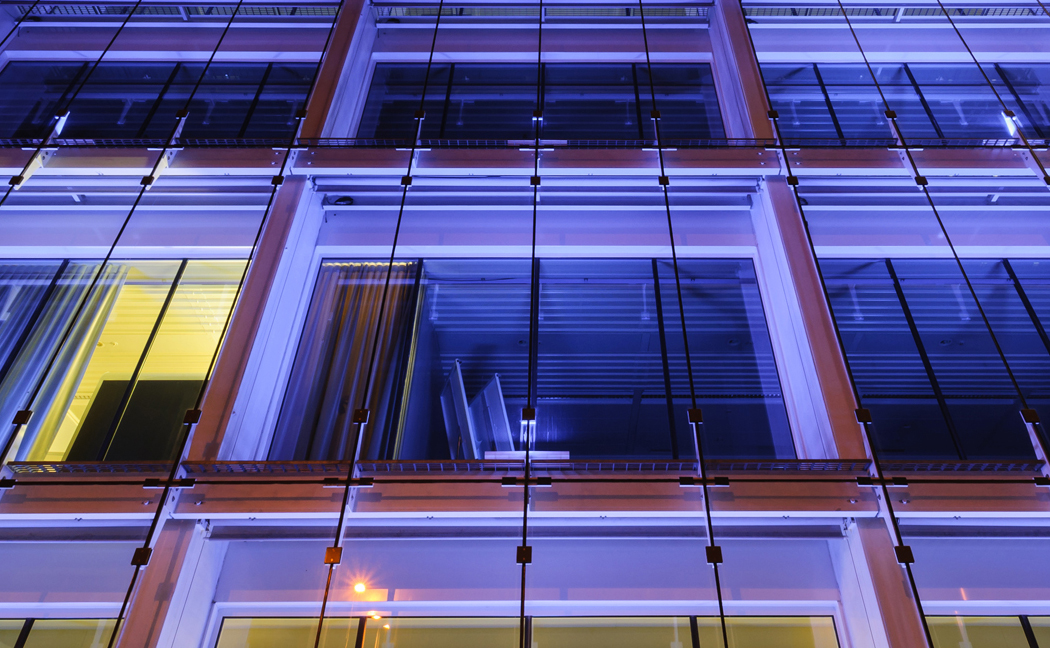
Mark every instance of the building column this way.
pixel 820 330
pixel 737 77
pixel 236 348
pixel 872 548
pixel 145 619
pixel 332 68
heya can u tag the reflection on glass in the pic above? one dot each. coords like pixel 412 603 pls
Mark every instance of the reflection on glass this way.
pixel 924 361
pixel 580 101
pixel 132 364
pixel 127 100
pixel 977 632
pixel 286 633
pixel 611 376
pixel 841 100
pixel 546 632
pixel 70 633
pixel 9 631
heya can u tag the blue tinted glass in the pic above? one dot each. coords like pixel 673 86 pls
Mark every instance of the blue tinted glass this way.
pixel 30 94
pixel 580 101
pixel 924 361
pixel 394 96
pixel 734 370
pixel 118 100
pixel 931 100
pixel 454 362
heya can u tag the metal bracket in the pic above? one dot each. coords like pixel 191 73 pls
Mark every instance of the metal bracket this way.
pixel 39 159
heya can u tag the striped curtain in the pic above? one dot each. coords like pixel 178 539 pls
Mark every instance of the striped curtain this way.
pixel 331 370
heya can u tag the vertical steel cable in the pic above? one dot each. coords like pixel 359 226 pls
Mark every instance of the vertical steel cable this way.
pixel 144 185
pixel 333 555
pixel 713 551
pixel 64 109
pixel 528 414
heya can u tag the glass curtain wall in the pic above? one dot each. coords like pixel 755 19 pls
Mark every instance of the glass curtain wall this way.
pixel 546 632
pixel 139 100
pixel 950 101
pixel 611 379
pixel 117 363
pixel 596 101
pixel 924 361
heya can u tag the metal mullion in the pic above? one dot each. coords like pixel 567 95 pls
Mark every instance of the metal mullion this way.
pixel 827 100
pixel 31 323
pixel 668 393
pixel 922 99
pixel 1029 634
pixel 927 365
pixel 107 440
pixel 160 98
pixel 255 101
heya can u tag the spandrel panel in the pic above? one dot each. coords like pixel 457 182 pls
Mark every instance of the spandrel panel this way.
pixel 243 632
pixel 70 633
pixel 978 632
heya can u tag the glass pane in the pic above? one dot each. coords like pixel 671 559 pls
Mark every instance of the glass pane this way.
pixel 78 403
pixel 9 631
pixel 977 632
pixel 469 362
pixel 759 632
pixel 286 633
pixel 486 102
pixel 172 373
pixel 612 632
pixel 118 99
pixel 734 371
pixel 1041 629
pixel 22 289
pixel 30 94
pixel 442 633
pixel 330 372
pixel 394 97
pixel 70 633
pixel 600 385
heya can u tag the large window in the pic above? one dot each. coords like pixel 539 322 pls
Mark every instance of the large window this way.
pixel 139 100
pixel 932 101
pixel 450 375
pixel 607 101
pixel 113 370
pixel 546 632
pixel 55 633
pixel 924 361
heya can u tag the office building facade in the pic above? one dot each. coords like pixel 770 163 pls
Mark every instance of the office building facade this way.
pixel 348 323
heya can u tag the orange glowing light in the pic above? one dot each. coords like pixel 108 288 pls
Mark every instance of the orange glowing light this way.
pixel 386 626
pixel 359 587
pixel 376 617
